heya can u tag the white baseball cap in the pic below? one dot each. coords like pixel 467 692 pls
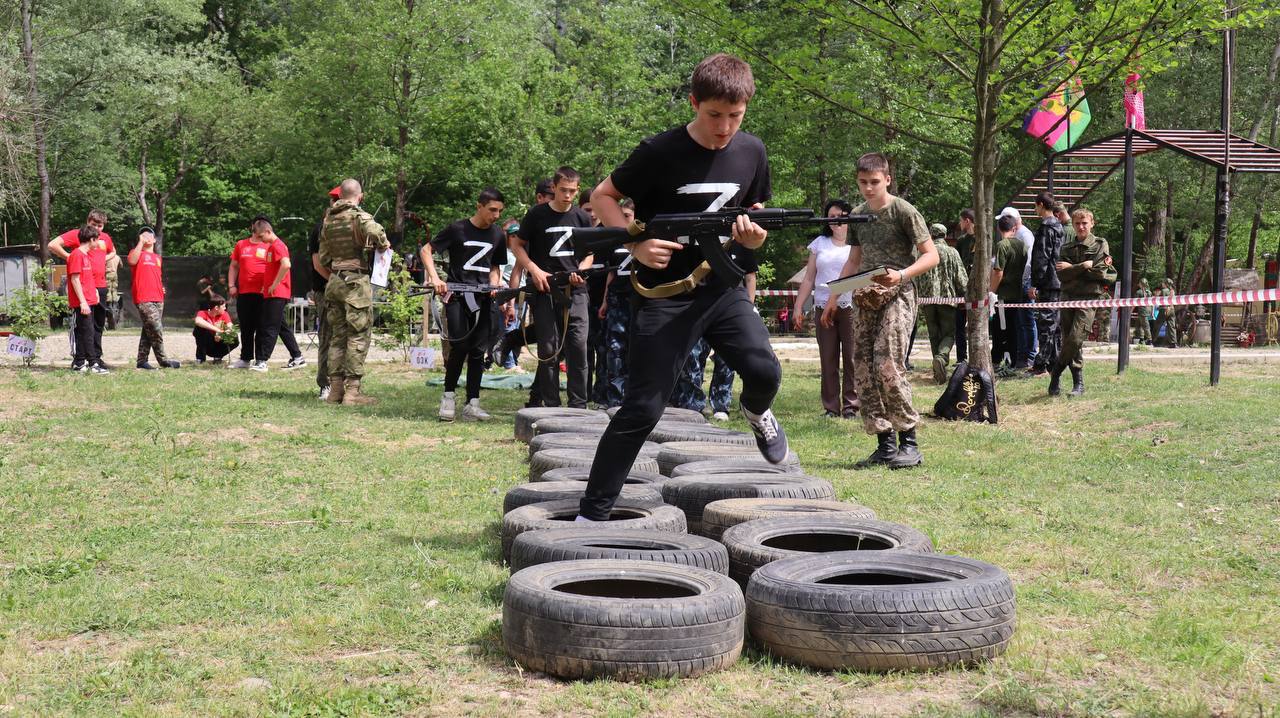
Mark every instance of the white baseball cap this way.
pixel 1009 212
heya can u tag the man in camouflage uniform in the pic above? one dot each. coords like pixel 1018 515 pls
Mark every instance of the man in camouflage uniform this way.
pixel 948 279
pixel 346 238
pixel 881 333
pixel 1142 315
pixel 1045 286
pixel 1085 270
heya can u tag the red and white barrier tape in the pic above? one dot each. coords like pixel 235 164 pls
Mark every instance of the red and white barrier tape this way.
pixel 1177 300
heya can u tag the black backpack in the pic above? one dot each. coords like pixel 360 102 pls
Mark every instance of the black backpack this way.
pixel 969 396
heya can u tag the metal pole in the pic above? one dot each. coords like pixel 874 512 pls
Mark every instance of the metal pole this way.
pixel 1049 173
pixel 1223 213
pixel 1126 256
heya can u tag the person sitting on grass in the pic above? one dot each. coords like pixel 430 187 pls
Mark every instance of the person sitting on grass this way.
pixel 211 333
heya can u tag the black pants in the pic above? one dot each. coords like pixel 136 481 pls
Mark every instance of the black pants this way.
pixel 549 321
pixel 87 351
pixel 208 347
pixel 596 376
pixel 1049 334
pixel 100 312
pixel 962 334
pixel 249 311
pixel 470 336
pixel 663 334
pixel 1006 339
pixel 274 326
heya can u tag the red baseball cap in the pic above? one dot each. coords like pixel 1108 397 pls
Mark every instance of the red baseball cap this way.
pixel 336 192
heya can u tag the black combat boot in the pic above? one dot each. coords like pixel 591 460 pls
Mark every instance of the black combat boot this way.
pixel 1077 377
pixel 886 451
pixel 908 451
pixel 1055 380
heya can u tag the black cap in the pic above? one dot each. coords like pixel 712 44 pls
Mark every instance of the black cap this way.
pixel 543 187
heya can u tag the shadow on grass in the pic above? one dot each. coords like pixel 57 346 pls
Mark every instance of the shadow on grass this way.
pixel 484 542
pixel 307 398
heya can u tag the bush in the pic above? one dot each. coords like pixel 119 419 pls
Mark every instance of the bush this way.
pixel 31 307
pixel 399 311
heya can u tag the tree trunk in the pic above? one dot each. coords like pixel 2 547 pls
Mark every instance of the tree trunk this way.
pixel 141 196
pixel 402 138
pixel 162 199
pixel 37 124
pixel 986 157
pixel 1201 267
pixel 1263 189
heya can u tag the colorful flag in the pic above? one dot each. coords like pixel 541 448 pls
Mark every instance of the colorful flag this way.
pixel 1049 120
pixel 1135 111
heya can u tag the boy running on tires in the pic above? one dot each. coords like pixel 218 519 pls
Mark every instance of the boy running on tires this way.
pixel 703 166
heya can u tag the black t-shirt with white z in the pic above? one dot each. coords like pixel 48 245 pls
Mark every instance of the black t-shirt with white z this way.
pixel 670 172
pixel 548 236
pixel 472 251
pixel 622 262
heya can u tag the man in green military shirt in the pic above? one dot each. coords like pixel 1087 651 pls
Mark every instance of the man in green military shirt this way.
pixel 1164 316
pixel 1006 282
pixel 347 236
pixel 1142 315
pixel 1085 270
pixel 947 279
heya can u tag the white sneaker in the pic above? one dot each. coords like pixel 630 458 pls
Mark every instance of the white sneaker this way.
pixel 324 393
pixel 258 366
pixel 720 416
pixel 447 407
pixel 239 364
pixel 473 412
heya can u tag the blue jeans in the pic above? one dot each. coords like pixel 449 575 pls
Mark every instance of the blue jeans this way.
pixel 1028 341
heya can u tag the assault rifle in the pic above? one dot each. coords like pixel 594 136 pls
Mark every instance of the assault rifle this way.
pixel 555 280
pixel 704 229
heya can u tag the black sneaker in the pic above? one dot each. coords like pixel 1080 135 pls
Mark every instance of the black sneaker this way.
pixel 146 365
pixel 102 364
pixel 99 369
pixel 79 366
pixel 170 364
pixel 770 438
pixel 296 362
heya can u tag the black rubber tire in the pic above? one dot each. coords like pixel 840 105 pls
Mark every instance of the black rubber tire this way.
pixel 525 418
pixel 671 413
pixel 802 610
pixel 740 465
pixel 534 547
pixel 692 493
pixel 561 515
pixel 569 425
pixel 719 516
pixel 544 461
pixel 666 621
pixel 582 473
pixel 667 431
pixel 752 544
pixel 675 453
pixel 565 440
pixel 543 491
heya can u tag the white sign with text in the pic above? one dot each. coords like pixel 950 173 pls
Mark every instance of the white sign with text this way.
pixel 422 358
pixel 21 347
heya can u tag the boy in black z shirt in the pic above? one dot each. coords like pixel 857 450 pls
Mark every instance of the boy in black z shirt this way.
pixel 543 246
pixel 477 249
pixel 700 167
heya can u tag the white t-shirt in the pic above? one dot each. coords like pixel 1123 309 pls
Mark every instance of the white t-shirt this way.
pixel 830 260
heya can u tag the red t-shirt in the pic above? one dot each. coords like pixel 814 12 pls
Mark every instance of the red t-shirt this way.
pixel 97 255
pixel 147 283
pixel 217 319
pixel 251 260
pixel 279 250
pixel 78 263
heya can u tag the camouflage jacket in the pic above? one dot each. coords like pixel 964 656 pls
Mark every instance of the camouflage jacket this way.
pixel 1081 283
pixel 947 278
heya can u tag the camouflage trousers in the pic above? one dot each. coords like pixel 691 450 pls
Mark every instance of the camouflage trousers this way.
pixel 152 339
pixel 880 345
pixel 348 300
pixel 1141 326
pixel 688 393
pixel 1075 325
pixel 617 320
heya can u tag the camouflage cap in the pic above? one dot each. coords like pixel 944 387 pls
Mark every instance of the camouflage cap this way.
pixel 937 231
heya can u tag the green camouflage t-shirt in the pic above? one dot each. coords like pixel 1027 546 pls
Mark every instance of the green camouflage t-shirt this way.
pixel 891 239
pixel 1011 257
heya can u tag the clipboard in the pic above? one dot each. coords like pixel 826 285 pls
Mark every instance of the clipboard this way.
pixel 854 282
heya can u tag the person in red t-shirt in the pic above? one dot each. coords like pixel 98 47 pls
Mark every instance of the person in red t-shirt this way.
pixel 208 331
pixel 148 297
pixel 244 283
pixel 82 298
pixel 277 290
pixel 102 248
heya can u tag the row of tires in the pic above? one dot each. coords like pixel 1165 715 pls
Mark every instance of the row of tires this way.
pixel 812 580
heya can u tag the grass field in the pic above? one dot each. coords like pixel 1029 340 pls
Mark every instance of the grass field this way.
pixel 218 542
